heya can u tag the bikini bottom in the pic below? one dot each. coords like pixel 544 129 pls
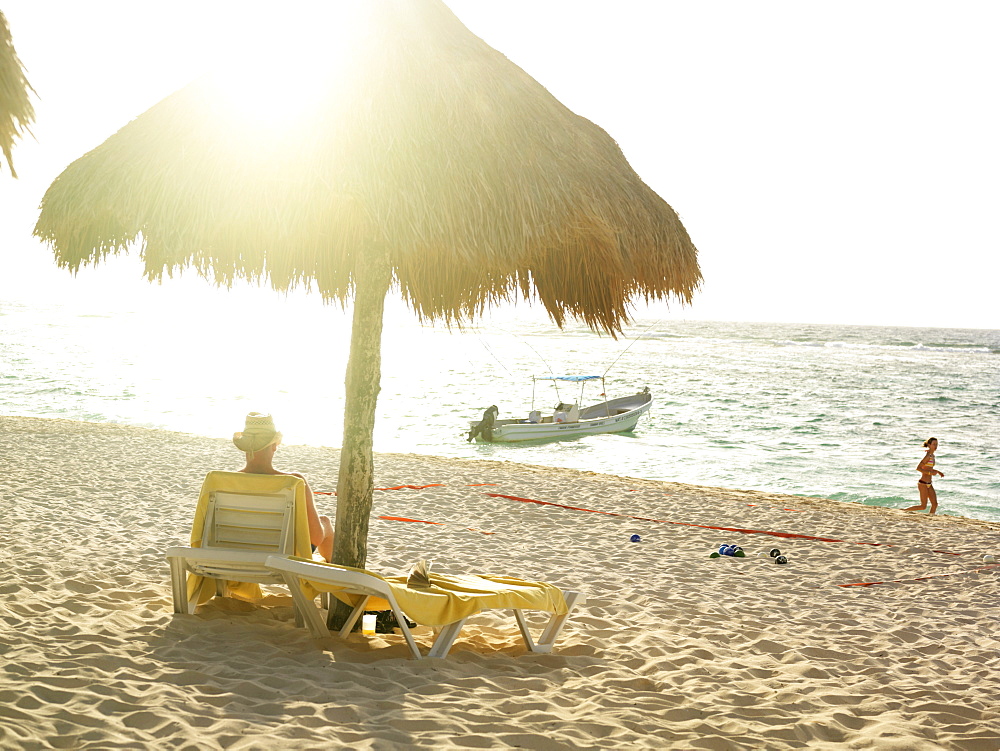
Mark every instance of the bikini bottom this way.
pixel 925 482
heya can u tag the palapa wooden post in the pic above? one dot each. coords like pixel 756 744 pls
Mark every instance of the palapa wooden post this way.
pixel 363 383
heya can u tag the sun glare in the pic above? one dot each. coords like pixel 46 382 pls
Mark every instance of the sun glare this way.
pixel 271 77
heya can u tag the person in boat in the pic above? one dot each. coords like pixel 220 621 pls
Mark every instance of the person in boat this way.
pixel 485 426
pixel 924 485
pixel 259 441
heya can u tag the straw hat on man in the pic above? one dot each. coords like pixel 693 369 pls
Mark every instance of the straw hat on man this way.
pixel 258 433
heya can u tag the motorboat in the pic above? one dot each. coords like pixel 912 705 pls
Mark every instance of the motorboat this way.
pixel 566 420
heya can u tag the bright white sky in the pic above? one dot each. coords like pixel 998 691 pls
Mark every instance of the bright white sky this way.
pixel 833 162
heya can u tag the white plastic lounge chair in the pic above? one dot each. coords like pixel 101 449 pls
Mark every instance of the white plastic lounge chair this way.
pixel 447 604
pixel 241 519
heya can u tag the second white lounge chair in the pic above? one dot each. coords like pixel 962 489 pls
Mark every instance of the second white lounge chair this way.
pixel 446 604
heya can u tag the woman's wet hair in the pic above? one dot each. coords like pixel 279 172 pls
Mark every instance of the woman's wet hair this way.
pixel 927 443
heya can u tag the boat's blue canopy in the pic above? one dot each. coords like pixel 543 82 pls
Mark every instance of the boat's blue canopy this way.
pixel 576 378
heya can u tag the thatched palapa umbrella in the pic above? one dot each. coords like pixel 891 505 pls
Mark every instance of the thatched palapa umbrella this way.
pixel 430 162
pixel 16 112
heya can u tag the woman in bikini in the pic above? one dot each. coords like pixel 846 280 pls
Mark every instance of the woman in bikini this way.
pixel 924 485
pixel 259 440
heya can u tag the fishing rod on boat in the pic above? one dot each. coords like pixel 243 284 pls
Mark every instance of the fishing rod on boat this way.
pixel 499 361
pixel 526 344
pixel 620 356
pixel 654 323
pixel 537 354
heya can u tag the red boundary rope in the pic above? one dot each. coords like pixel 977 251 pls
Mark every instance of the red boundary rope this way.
pixel 785 535
pixel 917 579
pixel 404 519
pixel 416 487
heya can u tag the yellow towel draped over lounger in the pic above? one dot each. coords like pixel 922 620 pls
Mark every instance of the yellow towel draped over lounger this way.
pixel 452 598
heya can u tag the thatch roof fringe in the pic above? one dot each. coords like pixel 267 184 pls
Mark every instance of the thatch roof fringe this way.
pixel 16 110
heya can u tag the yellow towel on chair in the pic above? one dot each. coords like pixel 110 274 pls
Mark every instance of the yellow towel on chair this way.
pixel 451 598
pixel 244 482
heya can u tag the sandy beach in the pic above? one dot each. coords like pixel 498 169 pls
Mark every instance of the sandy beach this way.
pixel 672 649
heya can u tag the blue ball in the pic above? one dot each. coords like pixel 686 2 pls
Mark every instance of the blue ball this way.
pixel 635 538
pixel 727 550
pixel 722 549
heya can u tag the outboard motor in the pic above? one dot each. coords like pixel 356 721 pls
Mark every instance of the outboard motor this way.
pixel 485 426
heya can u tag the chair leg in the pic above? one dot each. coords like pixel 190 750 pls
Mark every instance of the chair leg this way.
pixel 445 638
pixel 556 624
pixel 353 618
pixel 178 586
pixel 522 625
pixel 407 634
pixel 305 609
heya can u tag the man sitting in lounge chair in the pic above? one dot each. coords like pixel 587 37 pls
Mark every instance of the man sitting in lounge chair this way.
pixel 259 440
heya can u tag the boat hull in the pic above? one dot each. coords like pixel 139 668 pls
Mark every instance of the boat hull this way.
pixel 614 416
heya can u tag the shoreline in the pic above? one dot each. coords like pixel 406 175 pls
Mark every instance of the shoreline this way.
pixel 672 650
pixel 807 499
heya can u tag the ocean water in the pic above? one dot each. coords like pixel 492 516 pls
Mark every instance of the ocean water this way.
pixel 819 410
